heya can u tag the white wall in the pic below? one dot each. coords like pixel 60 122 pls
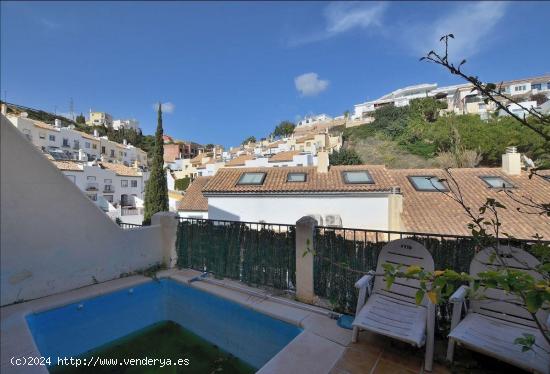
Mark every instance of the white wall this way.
pixel 367 211
pixel 52 237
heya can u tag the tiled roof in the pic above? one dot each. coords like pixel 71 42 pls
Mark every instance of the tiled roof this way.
pixel 433 212
pixel 42 125
pixel 239 161
pixel 225 180
pixel 67 165
pixel 283 156
pixel 194 200
pixel 198 158
pixel 121 169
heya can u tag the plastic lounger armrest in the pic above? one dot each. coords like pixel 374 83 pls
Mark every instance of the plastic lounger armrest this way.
pixel 459 295
pixel 365 281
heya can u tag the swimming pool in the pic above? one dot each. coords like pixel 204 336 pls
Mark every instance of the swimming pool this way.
pixel 77 328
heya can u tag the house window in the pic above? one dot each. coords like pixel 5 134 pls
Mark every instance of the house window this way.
pixel 536 86
pixel 520 88
pixel 124 183
pixel 112 153
pixel 65 142
pixel 103 150
pixel 42 135
pixel 133 183
pixel 252 179
pixel 52 138
pixel 86 144
pixel 109 198
pixel 107 181
pixel 94 146
pixel 76 144
pixel 427 183
pixel 296 177
pixel 90 178
pixel 356 177
pixel 496 182
pixel 93 197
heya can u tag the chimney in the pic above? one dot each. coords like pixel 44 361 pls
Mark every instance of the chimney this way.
pixel 57 123
pixel 395 209
pixel 322 162
pixel 511 161
pixel 4 109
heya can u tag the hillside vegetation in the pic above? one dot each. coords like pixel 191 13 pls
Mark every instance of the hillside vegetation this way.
pixel 416 136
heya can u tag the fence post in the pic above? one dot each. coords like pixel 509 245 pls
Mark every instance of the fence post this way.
pixel 305 227
pixel 169 232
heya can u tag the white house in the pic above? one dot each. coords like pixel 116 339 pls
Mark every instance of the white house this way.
pixel 311 120
pixel 360 196
pixel 518 109
pixel 399 97
pixel 131 124
pixel 194 204
pixel 111 186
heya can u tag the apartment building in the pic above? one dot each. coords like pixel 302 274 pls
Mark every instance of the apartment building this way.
pixel 399 97
pixel 67 143
pixel 130 124
pixel 460 99
pixel 179 149
pixel 100 119
pixel 314 119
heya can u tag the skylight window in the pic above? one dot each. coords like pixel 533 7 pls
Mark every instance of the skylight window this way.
pixel 251 179
pixel 496 182
pixel 427 183
pixel 354 177
pixel 296 177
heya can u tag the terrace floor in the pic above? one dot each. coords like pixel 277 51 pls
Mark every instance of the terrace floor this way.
pixel 375 354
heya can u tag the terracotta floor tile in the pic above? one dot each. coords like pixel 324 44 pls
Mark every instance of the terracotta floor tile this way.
pixel 388 367
pixel 355 361
pixel 410 359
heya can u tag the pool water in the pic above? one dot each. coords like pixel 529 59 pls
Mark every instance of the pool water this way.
pixel 76 329
pixel 165 340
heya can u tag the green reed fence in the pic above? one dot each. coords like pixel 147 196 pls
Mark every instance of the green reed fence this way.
pixel 251 252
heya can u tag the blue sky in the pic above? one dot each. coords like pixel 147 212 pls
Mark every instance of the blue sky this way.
pixel 229 70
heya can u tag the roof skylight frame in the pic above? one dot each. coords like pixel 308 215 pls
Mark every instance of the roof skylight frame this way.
pixel 504 187
pixel 243 176
pixel 370 179
pixel 296 173
pixel 412 181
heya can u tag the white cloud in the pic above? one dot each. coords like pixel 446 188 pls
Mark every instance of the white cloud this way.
pixel 471 24
pixel 167 107
pixel 309 84
pixel 341 17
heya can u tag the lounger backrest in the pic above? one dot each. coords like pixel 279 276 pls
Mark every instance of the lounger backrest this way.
pixel 405 252
pixel 496 302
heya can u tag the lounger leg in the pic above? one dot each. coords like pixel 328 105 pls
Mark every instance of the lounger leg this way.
pixel 355 335
pixel 450 350
pixel 430 326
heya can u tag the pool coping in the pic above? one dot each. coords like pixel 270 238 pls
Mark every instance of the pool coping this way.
pixel 315 350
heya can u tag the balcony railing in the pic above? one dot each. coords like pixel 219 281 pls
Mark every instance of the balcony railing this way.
pixel 108 188
pixel 130 211
pixel 92 186
pixel 124 225
pixel 264 254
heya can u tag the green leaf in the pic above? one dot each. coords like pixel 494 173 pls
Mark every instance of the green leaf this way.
pixel 533 301
pixel 419 296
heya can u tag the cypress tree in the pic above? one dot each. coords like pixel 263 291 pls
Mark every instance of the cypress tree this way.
pixel 156 189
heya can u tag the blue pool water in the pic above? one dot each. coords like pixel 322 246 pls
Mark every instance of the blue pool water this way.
pixel 74 329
